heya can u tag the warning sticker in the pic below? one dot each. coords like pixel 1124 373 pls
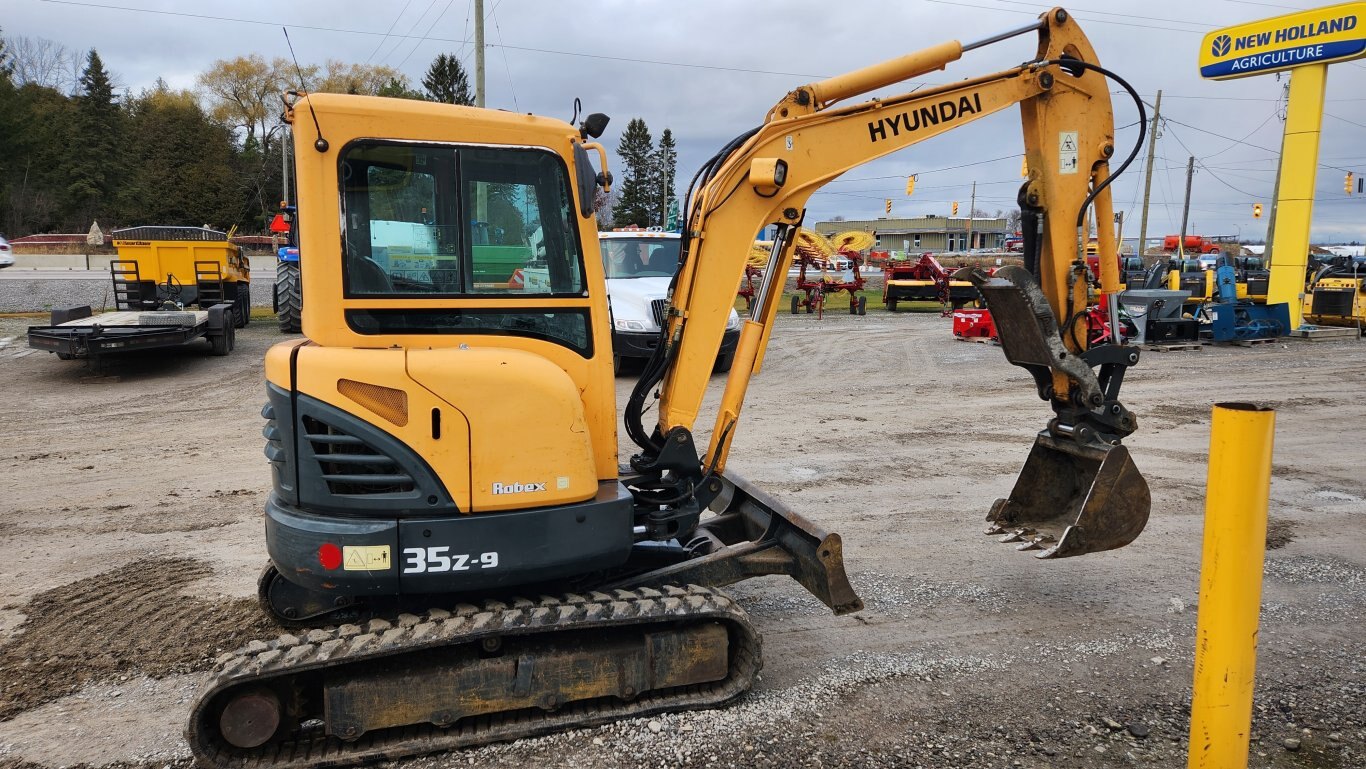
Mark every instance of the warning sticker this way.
pixel 365 558
pixel 1067 152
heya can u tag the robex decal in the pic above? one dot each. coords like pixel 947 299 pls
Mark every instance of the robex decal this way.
pixel 517 488
pixel 934 114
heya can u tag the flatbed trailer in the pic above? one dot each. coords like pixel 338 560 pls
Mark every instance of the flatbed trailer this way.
pixel 79 333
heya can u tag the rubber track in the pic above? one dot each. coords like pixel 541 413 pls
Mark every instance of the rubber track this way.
pixel 380 639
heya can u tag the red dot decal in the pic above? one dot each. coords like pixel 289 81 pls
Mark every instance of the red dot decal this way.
pixel 329 555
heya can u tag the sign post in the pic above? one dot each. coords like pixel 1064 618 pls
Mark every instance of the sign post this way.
pixel 1307 42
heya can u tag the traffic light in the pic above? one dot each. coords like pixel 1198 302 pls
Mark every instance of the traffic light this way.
pixel 1347 185
pixel 1256 210
pixel 910 185
pixel 889 205
pixel 955 208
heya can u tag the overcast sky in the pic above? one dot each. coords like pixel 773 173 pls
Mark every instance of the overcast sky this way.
pixel 710 69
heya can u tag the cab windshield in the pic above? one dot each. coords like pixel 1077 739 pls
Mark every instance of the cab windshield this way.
pixel 425 220
pixel 640 257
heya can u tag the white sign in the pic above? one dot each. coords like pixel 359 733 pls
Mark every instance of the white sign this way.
pixel 1067 152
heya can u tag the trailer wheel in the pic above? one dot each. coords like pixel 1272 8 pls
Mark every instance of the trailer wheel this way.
pixel 222 343
pixel 863 305
pixel 241 305
pixel 289 301
pixel 891 305
pixel 244 293
pixel 795 304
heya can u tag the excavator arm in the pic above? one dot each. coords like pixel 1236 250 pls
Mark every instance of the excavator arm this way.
pixel 1078 492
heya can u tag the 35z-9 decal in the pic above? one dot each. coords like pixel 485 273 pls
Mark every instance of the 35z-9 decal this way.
pixel 427 560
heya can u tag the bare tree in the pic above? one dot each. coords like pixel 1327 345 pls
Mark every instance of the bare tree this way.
pixel 47 63
pixel 245 93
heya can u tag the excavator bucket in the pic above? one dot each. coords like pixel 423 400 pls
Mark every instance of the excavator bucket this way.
pixel 1079 491
pixel 1072 499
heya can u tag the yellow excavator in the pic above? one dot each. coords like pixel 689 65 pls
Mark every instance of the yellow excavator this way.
pixel 459 554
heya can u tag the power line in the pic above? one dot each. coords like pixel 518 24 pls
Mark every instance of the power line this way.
pixel 411 29
pixel 392 24
pixel 493 15
pixel 427 35
pixel 933 171
pixel 317 28
pixel 1097 21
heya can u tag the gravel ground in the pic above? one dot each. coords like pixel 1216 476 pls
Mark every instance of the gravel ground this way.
pixel 143 489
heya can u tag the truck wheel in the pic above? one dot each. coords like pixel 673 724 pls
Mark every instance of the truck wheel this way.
pixel 723 363
pixel 289 301
pixel 616 365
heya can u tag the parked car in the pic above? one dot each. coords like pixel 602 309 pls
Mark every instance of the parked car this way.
pixel 6 253
pixel 639 266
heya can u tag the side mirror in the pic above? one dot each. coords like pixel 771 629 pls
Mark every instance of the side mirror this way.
pixel 593 125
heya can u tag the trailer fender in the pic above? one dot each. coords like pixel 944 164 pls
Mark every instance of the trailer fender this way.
pixel 70 313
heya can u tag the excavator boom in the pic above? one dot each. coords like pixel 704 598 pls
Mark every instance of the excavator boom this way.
pixel 812 136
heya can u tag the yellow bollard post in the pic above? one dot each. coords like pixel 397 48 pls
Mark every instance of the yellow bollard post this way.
pixel 1237 488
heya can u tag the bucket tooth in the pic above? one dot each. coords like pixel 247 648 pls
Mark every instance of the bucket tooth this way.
pixel 1016 535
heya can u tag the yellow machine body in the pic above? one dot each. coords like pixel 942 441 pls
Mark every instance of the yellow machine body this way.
pixel 531 408
pixel 160 259
pixel 1336 302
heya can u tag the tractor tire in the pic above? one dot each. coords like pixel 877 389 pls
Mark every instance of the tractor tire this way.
pixel 289 301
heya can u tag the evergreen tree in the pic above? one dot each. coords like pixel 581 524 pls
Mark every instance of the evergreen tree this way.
pixel 94 152
pixel 397 88
pixel 638 204
pixel 666 171
pixel 186 175
pixel 447 82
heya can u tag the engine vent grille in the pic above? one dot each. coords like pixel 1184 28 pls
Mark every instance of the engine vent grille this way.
pixel 349 466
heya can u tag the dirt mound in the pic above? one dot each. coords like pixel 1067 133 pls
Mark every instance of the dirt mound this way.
pixel 133 618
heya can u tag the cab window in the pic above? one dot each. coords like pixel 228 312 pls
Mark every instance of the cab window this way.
pixel 448 220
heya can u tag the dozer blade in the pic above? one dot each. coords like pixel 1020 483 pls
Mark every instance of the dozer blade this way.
pixel 754 534
pixel 1071 499
pixel 1079 491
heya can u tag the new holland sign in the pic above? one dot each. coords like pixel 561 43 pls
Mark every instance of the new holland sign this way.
pixel 1318 36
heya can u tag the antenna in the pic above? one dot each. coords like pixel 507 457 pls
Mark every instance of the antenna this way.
pixel 321 144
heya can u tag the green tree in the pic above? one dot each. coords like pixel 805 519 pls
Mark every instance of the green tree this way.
pixel 636 205
pixel 447 82
pixel 186 175
pixel 397 88
pixel 94 159
pixel 665 171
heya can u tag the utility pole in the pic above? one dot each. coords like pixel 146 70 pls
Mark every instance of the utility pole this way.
pixel 1148 179
pixel 1186 209
pixel 971 206
pixel 478 53
pixel 481 191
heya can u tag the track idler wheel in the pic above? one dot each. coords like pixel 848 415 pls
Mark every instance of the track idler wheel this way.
pixel 251 718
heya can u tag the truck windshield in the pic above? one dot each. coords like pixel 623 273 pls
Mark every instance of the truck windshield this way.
pixel 425 220
pixel 640 257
